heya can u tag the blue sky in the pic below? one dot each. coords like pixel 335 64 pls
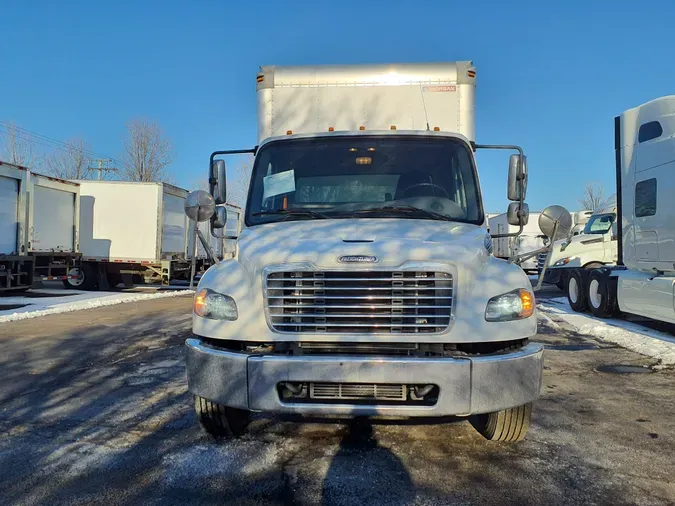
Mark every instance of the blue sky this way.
pixel 551 77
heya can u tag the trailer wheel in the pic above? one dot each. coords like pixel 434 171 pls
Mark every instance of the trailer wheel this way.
pixel 85 278
pixel 220 421
pixel 602 294
pixel 507 426
pixel 576 289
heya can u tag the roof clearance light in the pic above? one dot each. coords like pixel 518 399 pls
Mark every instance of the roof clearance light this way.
pixel 436 129
pixel 371 149
pixel 471 73
pixel 260 78
pixel 393 127
pixel 331 129
pixel 362 127
pixel 289 132
pixel 353 150
pixel 364 160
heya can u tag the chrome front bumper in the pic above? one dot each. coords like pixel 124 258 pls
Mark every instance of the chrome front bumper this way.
pixel 468 385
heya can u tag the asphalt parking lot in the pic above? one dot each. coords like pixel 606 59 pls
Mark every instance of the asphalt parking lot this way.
pixel 94 410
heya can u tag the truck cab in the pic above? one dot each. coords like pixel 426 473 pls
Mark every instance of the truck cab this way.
pixel 594 247
pixel 363 282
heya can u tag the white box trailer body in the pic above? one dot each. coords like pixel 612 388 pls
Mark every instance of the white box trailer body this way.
pixel 223 246
pixel 133 228
pixel 503 246
pixel 53 217
pixel 314 314
pixel 16 265
pixel 374 97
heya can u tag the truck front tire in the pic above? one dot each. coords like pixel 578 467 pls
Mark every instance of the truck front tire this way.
pixel 220 421
pixel 601 294
pixel 576 289
pixel 507 426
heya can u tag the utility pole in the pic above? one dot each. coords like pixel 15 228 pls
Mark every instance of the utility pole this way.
pixel 101 169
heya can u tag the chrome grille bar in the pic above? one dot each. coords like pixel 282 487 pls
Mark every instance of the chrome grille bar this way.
pixel 364 302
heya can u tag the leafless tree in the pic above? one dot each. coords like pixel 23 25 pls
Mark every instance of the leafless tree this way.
pixel 592 197
pixel 16 149
pixel 237 189
pixel 71 162
pixel 147 152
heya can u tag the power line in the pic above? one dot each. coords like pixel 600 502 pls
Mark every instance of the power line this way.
pixel 48 142
pixel 101 169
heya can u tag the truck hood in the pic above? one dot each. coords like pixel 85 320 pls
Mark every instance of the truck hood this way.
pixel 389 244
pixel 579 244
pixel 392 241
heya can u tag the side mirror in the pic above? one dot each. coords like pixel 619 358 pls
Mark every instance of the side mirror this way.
pixel 218 181
pixel 219 218
pixel 517 185
pixel 555 222
pixel 516 215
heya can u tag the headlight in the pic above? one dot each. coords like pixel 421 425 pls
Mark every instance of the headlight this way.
pixel 514 305
pixel 214 305
pixel 562 261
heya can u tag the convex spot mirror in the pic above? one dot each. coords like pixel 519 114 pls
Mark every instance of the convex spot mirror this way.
pixel 517 184
pixel 517 215
pixel 199 206
pixel 218 182
pixel 552 216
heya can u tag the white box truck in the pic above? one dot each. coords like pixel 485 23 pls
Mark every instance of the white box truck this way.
pixel 530 239
pixel 53 218
pixel 363 282
pixel 131 232
pixel 643 280
pixel 16 265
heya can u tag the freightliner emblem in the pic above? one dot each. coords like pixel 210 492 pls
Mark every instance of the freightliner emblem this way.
pixel 361 259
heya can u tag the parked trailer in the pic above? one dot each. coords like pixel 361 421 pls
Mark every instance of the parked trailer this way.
pixel 223 246
pixel 53 218
pixel 131 232
pixel 16 265
pixel 531 239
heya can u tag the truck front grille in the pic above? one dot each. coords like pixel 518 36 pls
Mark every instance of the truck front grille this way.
pixel 345 391
pixel 364 302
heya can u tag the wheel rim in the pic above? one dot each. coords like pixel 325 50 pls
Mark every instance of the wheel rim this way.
pixel 573 289
pixel 594 295
pixel 78 280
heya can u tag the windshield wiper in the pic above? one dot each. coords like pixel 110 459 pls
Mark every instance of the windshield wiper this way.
pixel 292 212
pixel 406 210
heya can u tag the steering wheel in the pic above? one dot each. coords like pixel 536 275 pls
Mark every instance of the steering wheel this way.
pixel 447 195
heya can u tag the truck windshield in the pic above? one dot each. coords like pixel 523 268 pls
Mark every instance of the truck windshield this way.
pixel 364 176
pixel 599 224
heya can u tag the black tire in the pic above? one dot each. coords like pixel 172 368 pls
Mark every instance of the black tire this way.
pixel 507 426
pixel 601 294
pixel 576 289
pixel 88 280
pixel 221 421
pixel 562 281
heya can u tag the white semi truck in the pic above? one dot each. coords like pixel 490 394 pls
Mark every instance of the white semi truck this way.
pixel 594 247
pixel 643 280
pixel 39 228
pixel 363 281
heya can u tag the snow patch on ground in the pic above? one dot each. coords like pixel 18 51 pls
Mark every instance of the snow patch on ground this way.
pixel 632 336
pixel 82 300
